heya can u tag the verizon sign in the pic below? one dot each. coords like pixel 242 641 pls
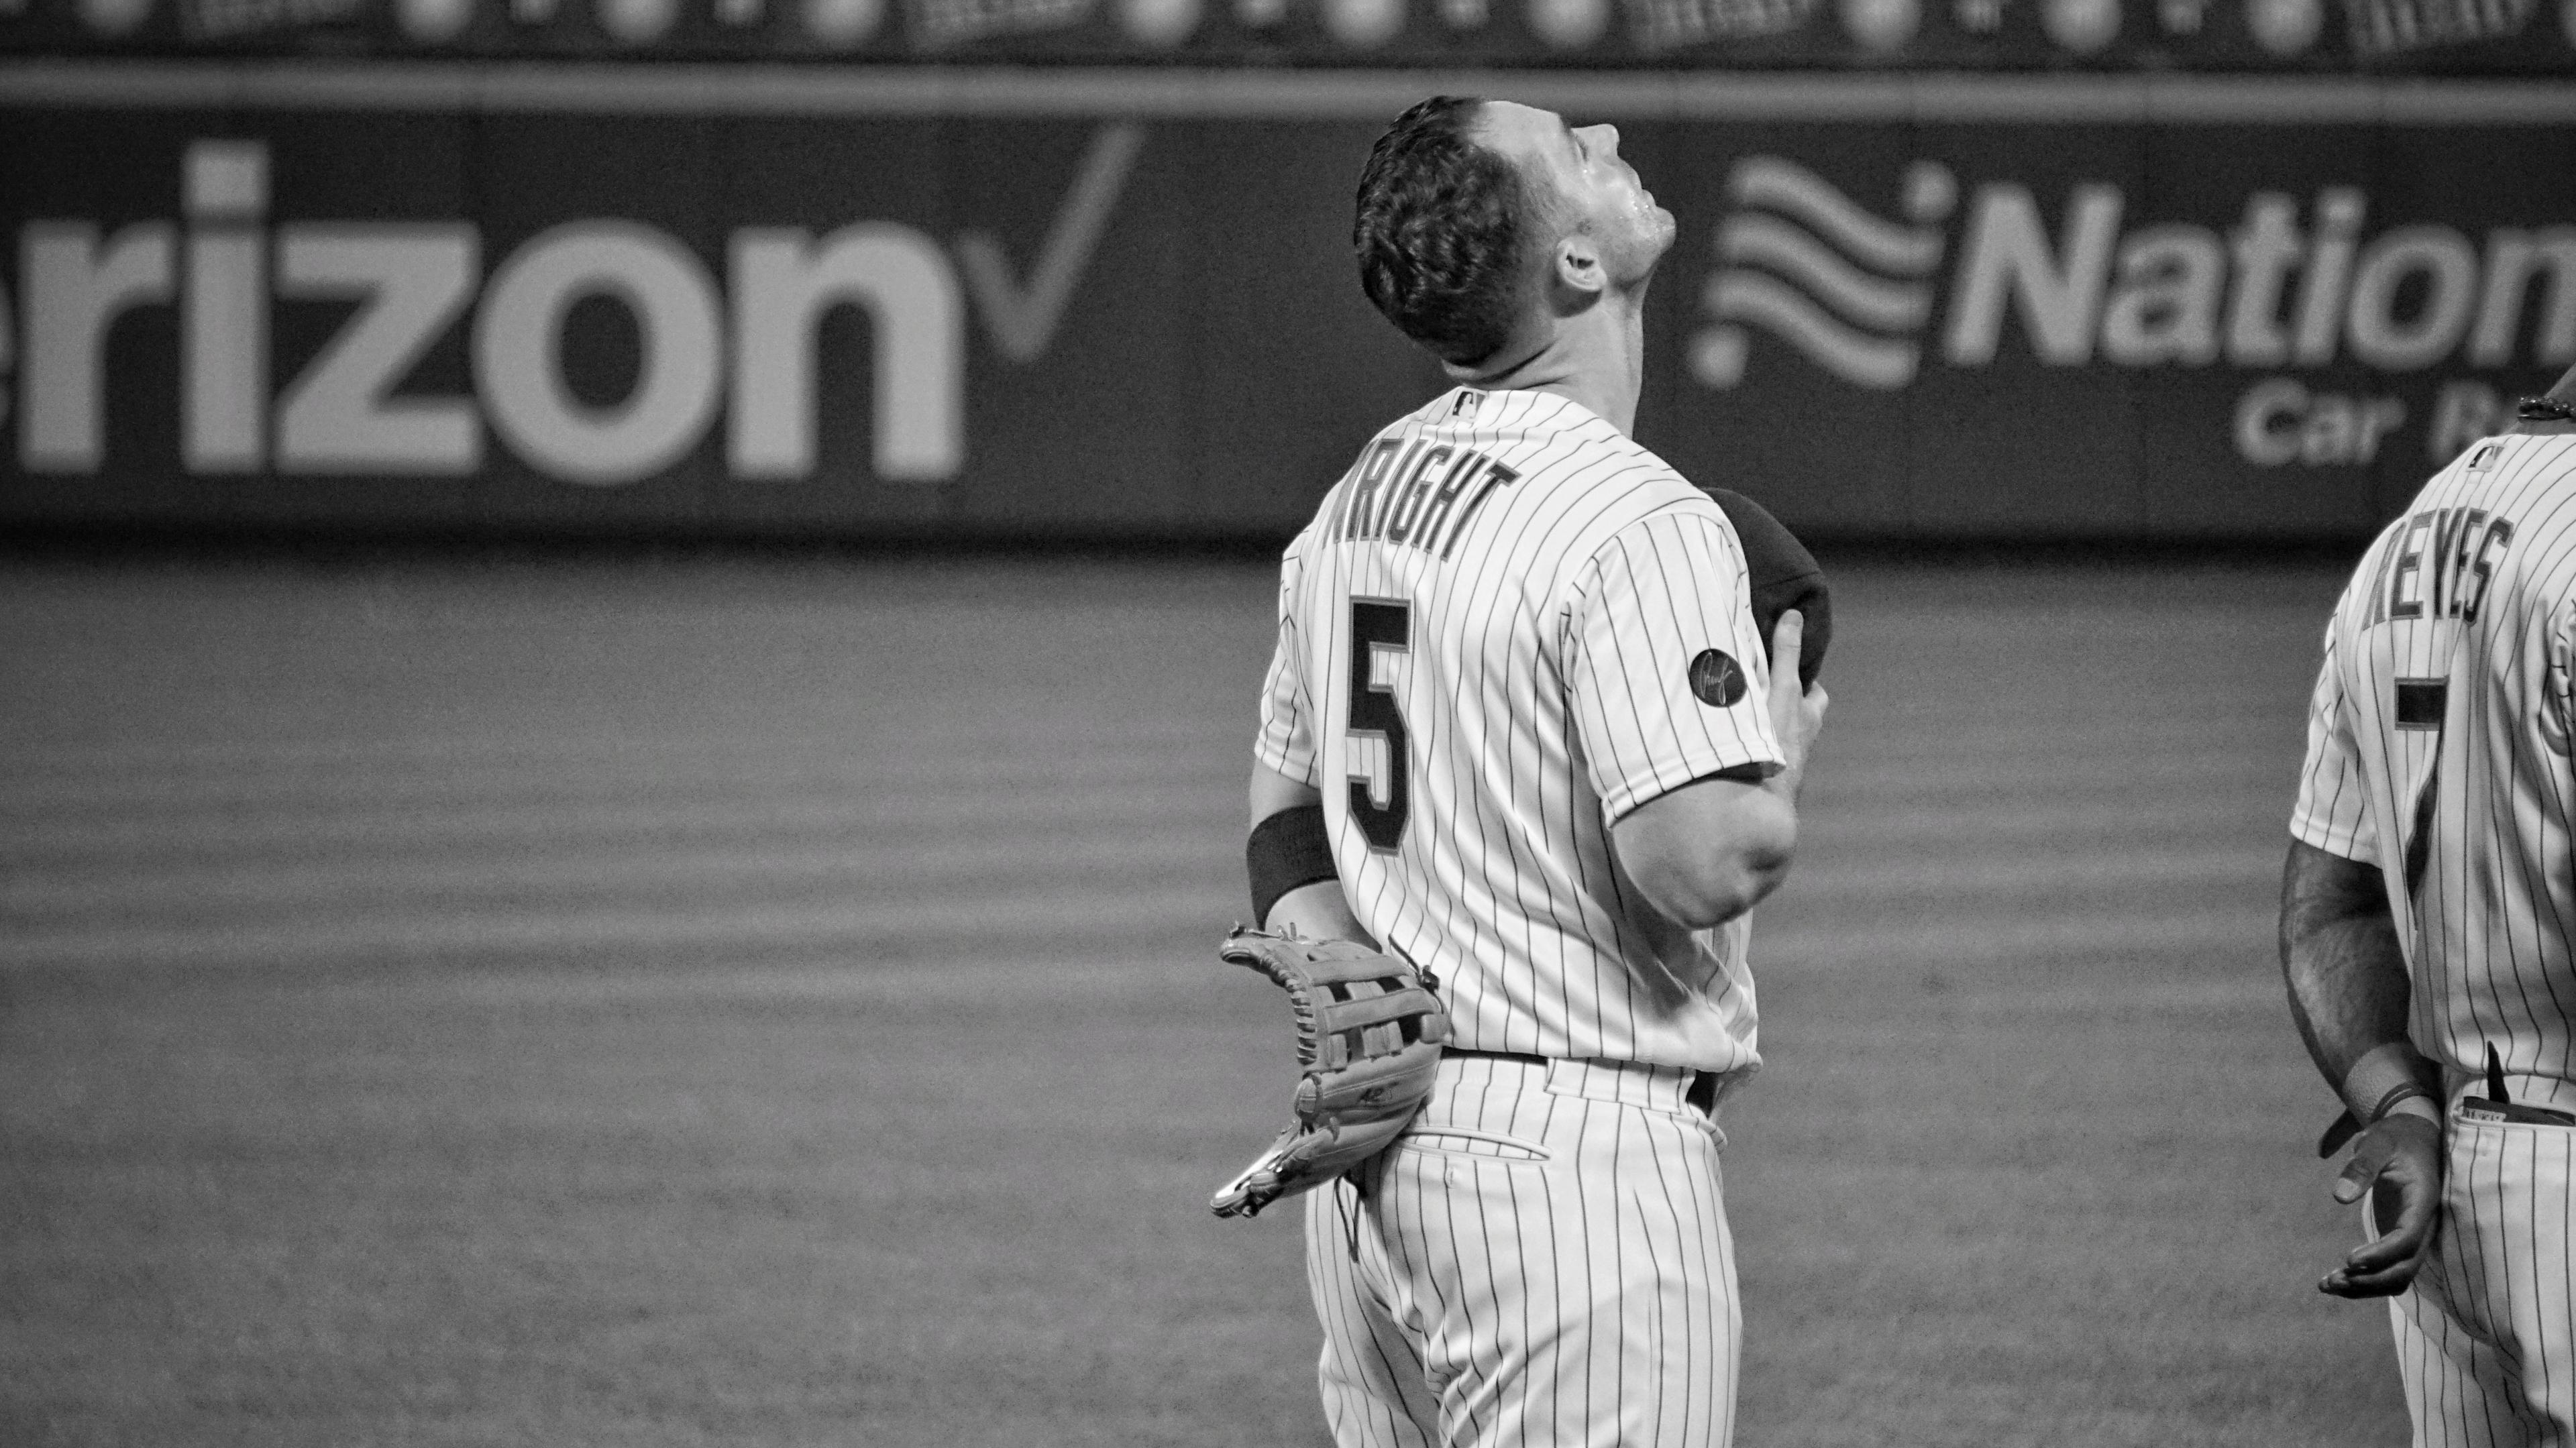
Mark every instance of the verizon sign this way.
pixel 742 346
pixel 800 358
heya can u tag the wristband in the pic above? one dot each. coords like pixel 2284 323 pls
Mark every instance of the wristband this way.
pixel 2416 1105
pixel 2386 1077
pixel 1287 851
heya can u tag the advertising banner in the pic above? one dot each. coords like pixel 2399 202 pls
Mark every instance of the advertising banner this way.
pixel 2447 37
pixel 1125 306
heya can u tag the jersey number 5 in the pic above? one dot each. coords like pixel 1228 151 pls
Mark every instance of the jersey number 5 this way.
pixel 1379 625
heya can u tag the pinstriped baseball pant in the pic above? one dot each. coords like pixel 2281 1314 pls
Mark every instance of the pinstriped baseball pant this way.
pixel 2486 1338
pixel 1542 1259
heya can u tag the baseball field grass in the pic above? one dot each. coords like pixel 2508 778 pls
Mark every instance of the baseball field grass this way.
pixel 755 1001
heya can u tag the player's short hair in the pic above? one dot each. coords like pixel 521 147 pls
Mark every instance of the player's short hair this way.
pixel 1444 228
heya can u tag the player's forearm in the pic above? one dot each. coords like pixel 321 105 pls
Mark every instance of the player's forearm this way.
pixel 2341 960
pixel 1319 910
pixel 2342 997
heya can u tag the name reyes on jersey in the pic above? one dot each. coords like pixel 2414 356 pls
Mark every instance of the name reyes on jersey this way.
pixel 1423 498
pixel 2440 566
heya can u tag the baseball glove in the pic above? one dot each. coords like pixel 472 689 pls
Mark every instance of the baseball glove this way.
pixel 1369 1032
pixel 1783 576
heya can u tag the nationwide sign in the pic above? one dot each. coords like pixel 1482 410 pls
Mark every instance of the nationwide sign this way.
pixel 1123 305
pixel 2290 287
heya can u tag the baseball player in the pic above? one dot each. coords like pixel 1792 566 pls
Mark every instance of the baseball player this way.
pixel 2428 930
pixel 1520 729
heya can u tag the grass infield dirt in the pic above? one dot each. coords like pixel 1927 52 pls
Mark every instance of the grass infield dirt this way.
pixel 773 1002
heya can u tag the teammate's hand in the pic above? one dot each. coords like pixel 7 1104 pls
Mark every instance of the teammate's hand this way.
pixel 1795 716
pixel 2400 1157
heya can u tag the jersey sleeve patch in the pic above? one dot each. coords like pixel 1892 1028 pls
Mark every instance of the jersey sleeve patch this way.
pixel 1716 679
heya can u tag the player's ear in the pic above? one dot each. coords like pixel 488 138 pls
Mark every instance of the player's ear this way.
pixel 1575 267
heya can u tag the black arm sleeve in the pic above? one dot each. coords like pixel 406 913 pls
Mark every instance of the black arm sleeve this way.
pixel 1287 851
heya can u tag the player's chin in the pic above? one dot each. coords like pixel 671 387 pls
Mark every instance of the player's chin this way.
pixel 1660 228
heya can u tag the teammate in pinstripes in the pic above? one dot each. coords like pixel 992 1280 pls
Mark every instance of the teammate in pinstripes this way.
pixel 1522 722
pixel 2428 930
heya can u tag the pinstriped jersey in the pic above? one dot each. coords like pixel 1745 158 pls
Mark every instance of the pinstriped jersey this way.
pixel 2439 750
pixel 1508 625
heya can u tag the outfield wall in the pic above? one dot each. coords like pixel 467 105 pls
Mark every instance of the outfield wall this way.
pixel 827 301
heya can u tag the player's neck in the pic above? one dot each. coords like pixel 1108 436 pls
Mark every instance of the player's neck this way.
pixel 1596 357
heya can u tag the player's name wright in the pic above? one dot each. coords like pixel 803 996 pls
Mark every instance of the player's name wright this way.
pixel 1426 496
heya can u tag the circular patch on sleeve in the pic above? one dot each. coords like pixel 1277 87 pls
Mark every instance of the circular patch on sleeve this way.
pixel 1717 679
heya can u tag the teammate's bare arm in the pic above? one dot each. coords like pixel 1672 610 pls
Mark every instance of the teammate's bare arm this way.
pixel 2348 991
pixel 1712 849
pixel 1318 909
